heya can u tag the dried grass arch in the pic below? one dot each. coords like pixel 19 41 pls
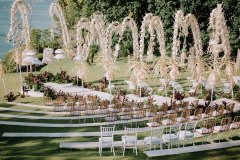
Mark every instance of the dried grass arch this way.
pixel 182 23
pixel 56 9
pixel 24 8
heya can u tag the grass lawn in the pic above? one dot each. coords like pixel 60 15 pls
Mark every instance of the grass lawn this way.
pixel 48 148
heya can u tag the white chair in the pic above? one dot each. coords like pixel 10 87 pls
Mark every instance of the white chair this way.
pixel 172 136
pixel 106 139
pixel 155 139
pixel 226 88
pixel 130 139
pixel 187 134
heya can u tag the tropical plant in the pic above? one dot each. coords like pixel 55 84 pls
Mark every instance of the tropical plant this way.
pixel 49 92
pixel 10 97
pixel 179 95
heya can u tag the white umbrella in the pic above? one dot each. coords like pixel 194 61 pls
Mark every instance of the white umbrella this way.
pixel 59 56
pixel 48 51
pixel 30 53
pixel 28 60
pixel 59 51
pixel 37 61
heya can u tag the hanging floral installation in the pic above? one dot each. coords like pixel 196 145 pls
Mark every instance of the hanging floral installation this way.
pixel 83 43
pixel 114 28
pixel 219 42
pixel 146 23
pixel 193 24
pixel 139 71
pixel 219 38
pixel 19 36
pixel 181 24
pixel 154 23
pixel 128 22
pixel 24 8
pixel 56 9
pixel 81 70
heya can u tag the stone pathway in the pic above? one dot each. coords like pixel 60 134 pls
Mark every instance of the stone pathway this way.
pixel 190 149
pixel 31 124
pixel 50 118
pixel 31 111
pixel 90 145
pixel 65 134
pixel 30 105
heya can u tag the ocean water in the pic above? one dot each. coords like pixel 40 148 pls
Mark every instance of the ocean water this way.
pixel 39 18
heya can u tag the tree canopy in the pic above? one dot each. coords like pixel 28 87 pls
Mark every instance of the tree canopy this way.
pixel 118 9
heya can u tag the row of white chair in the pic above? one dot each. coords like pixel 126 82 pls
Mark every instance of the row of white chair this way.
pixel 170 135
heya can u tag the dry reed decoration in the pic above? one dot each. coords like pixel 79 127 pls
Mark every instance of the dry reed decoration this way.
pixel 108 64
pixel 128 22
pixel 138 71
pixel 114 27
pixel 83 43
pixel 161 68
pixel 2 69
pixel 219 38
pixel 81 70
pixel 174 72
pixel 230 70
pixel 182 24
pixel 238 60
pixel 24 8
pixel 56 9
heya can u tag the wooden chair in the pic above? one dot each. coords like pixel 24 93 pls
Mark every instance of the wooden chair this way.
pixel 139 114
pixel 60 101
pixel 229 108
pixel 197 114
pixel 48 101
pixel 156 121
pixel 171 120
pixel 208 112
pixel 185 115
pixel 183 106
pixel 164 109
pixel 219 111
pixel 194 104
pixel 111 117
pixel 174 108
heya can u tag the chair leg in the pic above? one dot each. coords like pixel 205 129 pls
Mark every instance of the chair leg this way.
pixel 100 149
pixel 124 147
pixel 113 149
pixel 136 148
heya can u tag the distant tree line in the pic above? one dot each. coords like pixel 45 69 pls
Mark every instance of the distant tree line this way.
pixel 117 10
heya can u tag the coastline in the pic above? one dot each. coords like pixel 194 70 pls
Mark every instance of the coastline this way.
pixel 40 19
